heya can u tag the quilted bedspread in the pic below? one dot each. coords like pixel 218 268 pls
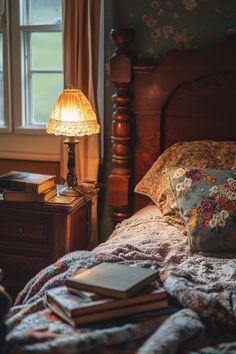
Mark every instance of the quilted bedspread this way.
pixel 204 285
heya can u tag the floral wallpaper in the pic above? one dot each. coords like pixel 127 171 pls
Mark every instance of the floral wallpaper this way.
pixel 160 25
pixel 164 24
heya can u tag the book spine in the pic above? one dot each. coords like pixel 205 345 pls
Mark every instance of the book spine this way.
pixel 19 186
pixel 30 197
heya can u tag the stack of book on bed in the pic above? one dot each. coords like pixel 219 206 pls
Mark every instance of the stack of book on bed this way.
pixel 108 291
pixel 27 186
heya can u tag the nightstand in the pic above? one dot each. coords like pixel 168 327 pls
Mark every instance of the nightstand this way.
pixel 33 235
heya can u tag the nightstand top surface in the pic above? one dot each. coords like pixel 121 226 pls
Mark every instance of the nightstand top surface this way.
pixel 61 204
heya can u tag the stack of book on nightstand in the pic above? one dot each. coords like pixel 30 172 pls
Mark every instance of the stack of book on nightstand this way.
pixel 27 186
pixel 109 291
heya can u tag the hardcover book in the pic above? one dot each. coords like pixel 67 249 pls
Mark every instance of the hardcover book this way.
pixel 16 196
pixel 151 292
pixel 76 310
pixel 112 279
pixel 26 182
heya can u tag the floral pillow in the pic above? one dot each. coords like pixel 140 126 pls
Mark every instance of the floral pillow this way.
pixel 207 201
pixel 199 153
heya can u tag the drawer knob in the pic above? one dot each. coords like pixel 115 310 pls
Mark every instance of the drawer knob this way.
pixel 22 231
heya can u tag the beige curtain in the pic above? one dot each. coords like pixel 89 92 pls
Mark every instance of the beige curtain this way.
pixel 81 53
pixel 2 12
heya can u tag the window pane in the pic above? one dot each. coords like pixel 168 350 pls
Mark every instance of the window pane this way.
pixel 46 50
pixel 1 101
pixel 40 12
pixel 1 82
pixel 46 89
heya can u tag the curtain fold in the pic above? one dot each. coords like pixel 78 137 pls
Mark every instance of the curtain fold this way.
pixel 2 13
pixel 81 62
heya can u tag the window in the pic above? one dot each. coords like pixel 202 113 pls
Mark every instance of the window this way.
pixel 31 66
pixel 5 123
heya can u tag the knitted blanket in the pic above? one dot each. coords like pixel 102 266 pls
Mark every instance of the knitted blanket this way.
pixel 202 284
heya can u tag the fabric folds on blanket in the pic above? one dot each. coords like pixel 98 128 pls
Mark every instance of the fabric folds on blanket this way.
pixel 178 328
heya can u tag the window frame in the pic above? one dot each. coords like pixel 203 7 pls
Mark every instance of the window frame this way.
pixel 4 28
pixel 18 32
pixel 18 142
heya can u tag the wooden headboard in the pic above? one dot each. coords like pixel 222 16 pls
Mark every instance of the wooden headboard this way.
pixel 190 95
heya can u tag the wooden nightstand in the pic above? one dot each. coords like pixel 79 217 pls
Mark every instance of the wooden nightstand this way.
pixel 33 235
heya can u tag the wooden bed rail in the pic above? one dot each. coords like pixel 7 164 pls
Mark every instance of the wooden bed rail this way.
pixel 120 179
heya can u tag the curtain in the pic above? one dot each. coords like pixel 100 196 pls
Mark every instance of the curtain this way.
pixel 2 13
pixel 81 62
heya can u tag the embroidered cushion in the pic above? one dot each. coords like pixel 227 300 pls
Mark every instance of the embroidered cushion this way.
pixel 207 201
pixel 204 153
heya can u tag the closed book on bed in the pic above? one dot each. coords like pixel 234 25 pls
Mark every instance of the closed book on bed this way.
pixel 149 293
pixel 76 310
pixel 74 304
pixel 112 279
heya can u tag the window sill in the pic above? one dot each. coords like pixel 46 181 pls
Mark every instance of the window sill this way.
pixel 30 147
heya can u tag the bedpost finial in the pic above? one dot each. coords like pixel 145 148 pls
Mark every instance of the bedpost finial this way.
pixel 123 38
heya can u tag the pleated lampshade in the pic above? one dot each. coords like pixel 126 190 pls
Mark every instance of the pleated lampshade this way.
pixel 72 115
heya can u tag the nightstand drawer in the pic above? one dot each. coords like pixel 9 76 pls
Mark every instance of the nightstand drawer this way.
pixel 34 235
pixel 21 268
pixel 26 227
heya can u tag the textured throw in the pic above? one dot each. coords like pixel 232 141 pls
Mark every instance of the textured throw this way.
pixel 203 284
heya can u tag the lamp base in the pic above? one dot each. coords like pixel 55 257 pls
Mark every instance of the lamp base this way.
pixel 71 192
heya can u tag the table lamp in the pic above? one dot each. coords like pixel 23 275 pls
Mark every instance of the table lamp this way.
pixel 72 116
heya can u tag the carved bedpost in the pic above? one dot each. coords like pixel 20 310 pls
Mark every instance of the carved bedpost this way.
pixel 120 178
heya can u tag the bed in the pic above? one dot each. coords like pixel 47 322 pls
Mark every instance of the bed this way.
pixel 173 134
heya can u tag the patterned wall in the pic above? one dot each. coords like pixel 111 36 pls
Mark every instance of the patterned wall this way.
pixel 164 24
pixel 160 25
